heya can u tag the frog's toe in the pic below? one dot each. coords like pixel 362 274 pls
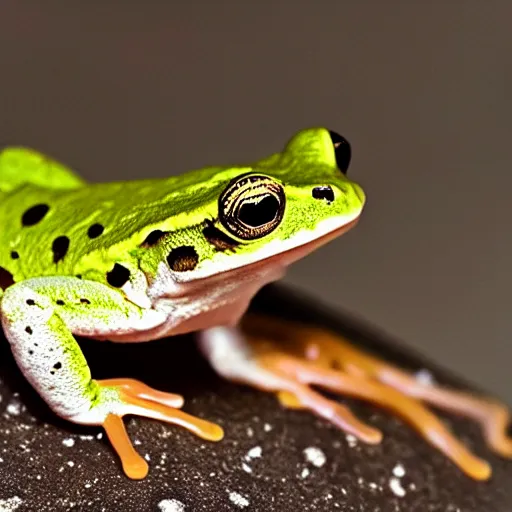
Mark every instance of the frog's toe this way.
pixel 134 397
pixel 334 412
pixel 495 424
pixel 134 466
pixel 139 389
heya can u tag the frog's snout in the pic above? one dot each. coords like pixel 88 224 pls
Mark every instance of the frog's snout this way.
pixel 359 193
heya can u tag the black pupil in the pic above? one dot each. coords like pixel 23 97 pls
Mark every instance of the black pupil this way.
pixel 260 213
pixel 342 151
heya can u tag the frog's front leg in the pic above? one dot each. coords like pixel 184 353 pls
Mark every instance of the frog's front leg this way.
pixel 39 317
pixel 290 359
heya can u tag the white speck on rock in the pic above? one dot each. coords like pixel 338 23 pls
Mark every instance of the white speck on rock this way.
pixel 396 486
pixel 305 473
pixel 399 471
pixel 70 463
pixel 238 500
pixel 424 376
pixel 315 456
pixel 14 408
pixel 254 453
pixel 100 435
pixel 250 432
pixel 351 440
pixel 267 427
pixel 10 504
pixel 68 442
pixel 246 468
pixel 171 506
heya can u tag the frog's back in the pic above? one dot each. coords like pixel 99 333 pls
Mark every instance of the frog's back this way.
pixel 52 222
pixel 20 166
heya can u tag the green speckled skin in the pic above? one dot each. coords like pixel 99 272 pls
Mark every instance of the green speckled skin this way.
pixel 129 211
pixel 115 261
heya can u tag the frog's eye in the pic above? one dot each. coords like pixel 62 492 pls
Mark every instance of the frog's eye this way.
pixel 342 151
pixel 252 206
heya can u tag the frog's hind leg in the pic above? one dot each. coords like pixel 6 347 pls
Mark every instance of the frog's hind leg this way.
pixel 329 350
pixel 39 316
pixel 288 359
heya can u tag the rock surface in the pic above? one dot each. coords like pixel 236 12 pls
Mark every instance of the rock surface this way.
pixel 270 459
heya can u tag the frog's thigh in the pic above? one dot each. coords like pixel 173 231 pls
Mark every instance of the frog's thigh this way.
pixel 38 318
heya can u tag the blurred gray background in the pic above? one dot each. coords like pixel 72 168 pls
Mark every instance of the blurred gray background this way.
pixel 123 90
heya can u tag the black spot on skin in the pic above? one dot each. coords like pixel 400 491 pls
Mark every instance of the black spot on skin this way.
pixel 218 238
pixel 85 301
pixel 14 255
pixel 58 365
pixel 30 352
pixel 118 276
pixel 28 329
pixel 60 247
pixel 59 302
pixel 153 238
pixel 31 302
pixel 183 259
pixel 95 230
pixel 6 279
pixel 324 192
pixel 34 215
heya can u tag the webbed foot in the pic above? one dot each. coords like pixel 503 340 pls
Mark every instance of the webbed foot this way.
pixel 134 397
pixel 290 359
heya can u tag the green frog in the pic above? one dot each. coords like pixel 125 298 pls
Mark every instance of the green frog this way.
pixel 134 261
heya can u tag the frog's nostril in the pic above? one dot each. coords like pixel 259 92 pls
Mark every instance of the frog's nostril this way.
pixel 324 192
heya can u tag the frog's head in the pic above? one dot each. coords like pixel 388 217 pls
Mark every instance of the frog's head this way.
pixel 277 209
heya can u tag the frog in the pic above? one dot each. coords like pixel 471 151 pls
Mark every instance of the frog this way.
pixel 135 261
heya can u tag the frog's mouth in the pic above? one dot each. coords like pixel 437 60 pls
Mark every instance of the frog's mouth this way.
pixel 289 256
pixel 243 281
pixel 275 256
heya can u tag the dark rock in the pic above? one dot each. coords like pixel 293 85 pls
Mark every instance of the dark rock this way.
pixel 47 464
